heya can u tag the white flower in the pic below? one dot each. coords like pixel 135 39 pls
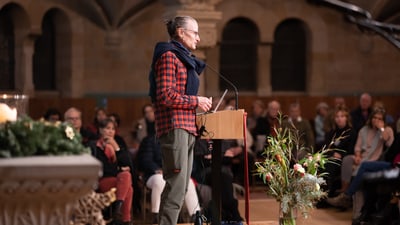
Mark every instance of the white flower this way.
pixel 69 132
pixel 317 187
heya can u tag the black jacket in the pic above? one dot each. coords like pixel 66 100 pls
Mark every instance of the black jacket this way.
pixel 111 169
pixel 149 156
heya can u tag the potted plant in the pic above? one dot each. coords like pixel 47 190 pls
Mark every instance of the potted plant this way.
pixel 44 170
pixel 294 183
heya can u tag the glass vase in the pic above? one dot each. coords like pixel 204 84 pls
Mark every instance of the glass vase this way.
pixel 289 217
pixel 13 105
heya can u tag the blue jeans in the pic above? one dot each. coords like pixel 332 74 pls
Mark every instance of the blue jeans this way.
pixel 366 167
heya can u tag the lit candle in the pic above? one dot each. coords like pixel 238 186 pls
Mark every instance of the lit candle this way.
pixel 7 114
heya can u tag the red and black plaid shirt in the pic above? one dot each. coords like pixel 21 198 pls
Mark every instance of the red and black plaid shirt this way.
pixel 173 109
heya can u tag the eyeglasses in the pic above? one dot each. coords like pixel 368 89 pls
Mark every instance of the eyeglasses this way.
pixel 196 33
pixel 72 118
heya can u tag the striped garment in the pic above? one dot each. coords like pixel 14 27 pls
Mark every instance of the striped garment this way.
pixel 173 109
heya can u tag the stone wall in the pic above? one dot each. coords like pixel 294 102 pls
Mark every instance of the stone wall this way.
pixel 99 55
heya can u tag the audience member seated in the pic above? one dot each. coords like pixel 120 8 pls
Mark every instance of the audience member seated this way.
pixel 100 114
pixel 74 117
pixel 372 140
pixel 329 122
pixel 203 175
pixel 145 125
pixel 389 120
pixel 305 132
pixel 230 104
pixel 360 115
pixel 273 110
pixel 258 126
pixel 150 163
pixel 341 139
pixel 117 167
pixel 52 115
pixel 371 183
pixel 319 121
pixel 117 121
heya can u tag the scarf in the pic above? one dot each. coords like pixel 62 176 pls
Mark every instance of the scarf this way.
pixel 193 65
pixel 108 150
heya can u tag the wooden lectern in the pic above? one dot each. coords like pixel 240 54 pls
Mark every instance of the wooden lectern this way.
pixel 226 124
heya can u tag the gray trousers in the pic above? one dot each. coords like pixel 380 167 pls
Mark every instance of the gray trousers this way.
pixel 347 168
pixel 177 154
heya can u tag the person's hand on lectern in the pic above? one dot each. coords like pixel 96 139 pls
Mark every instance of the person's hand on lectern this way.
pixel 204 103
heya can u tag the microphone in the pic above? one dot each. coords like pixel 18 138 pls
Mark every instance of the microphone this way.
pixel 229 82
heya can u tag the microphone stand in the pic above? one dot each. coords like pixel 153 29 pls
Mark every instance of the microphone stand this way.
pixel 230 83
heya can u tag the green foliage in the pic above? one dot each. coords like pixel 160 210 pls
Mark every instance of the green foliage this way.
pixel 295 183
pixel 26 137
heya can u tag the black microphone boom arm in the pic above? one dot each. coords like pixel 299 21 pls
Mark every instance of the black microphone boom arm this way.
pixel 230 83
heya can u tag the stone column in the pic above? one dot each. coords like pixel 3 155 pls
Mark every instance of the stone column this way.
pixel 23 56
pixel 264 87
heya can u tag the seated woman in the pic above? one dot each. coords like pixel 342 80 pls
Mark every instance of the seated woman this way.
pixel 341 138
pixel 372 139
pixel 370 179
pixel 116 171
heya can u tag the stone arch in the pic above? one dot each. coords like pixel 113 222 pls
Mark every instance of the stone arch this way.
pixel 22 44
pixel 7 53
pixel 238 54
pixel 289 56
pixel 58 60
pixel 256 12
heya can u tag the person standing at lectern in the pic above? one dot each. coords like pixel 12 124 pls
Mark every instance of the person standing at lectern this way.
pixel 174 84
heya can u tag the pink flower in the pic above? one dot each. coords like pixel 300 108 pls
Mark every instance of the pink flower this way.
pixel 298 168
pixel 268 176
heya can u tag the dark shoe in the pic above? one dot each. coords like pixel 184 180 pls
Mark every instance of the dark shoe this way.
pixel 155 218
pixel 117 210
pixel 322 204
pixel 197 218
pixel 342 200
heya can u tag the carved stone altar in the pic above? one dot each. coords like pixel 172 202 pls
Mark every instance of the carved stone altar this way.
pixel 44 190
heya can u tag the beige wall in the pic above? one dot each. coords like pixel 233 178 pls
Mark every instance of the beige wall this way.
pixel 115 60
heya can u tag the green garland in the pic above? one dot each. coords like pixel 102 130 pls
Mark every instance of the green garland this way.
pixel 27 137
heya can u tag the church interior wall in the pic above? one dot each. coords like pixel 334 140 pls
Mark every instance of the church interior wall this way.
pixel 104 62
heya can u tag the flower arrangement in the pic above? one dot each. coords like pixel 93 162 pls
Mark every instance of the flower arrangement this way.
pixel 294 183
pixel 27 137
